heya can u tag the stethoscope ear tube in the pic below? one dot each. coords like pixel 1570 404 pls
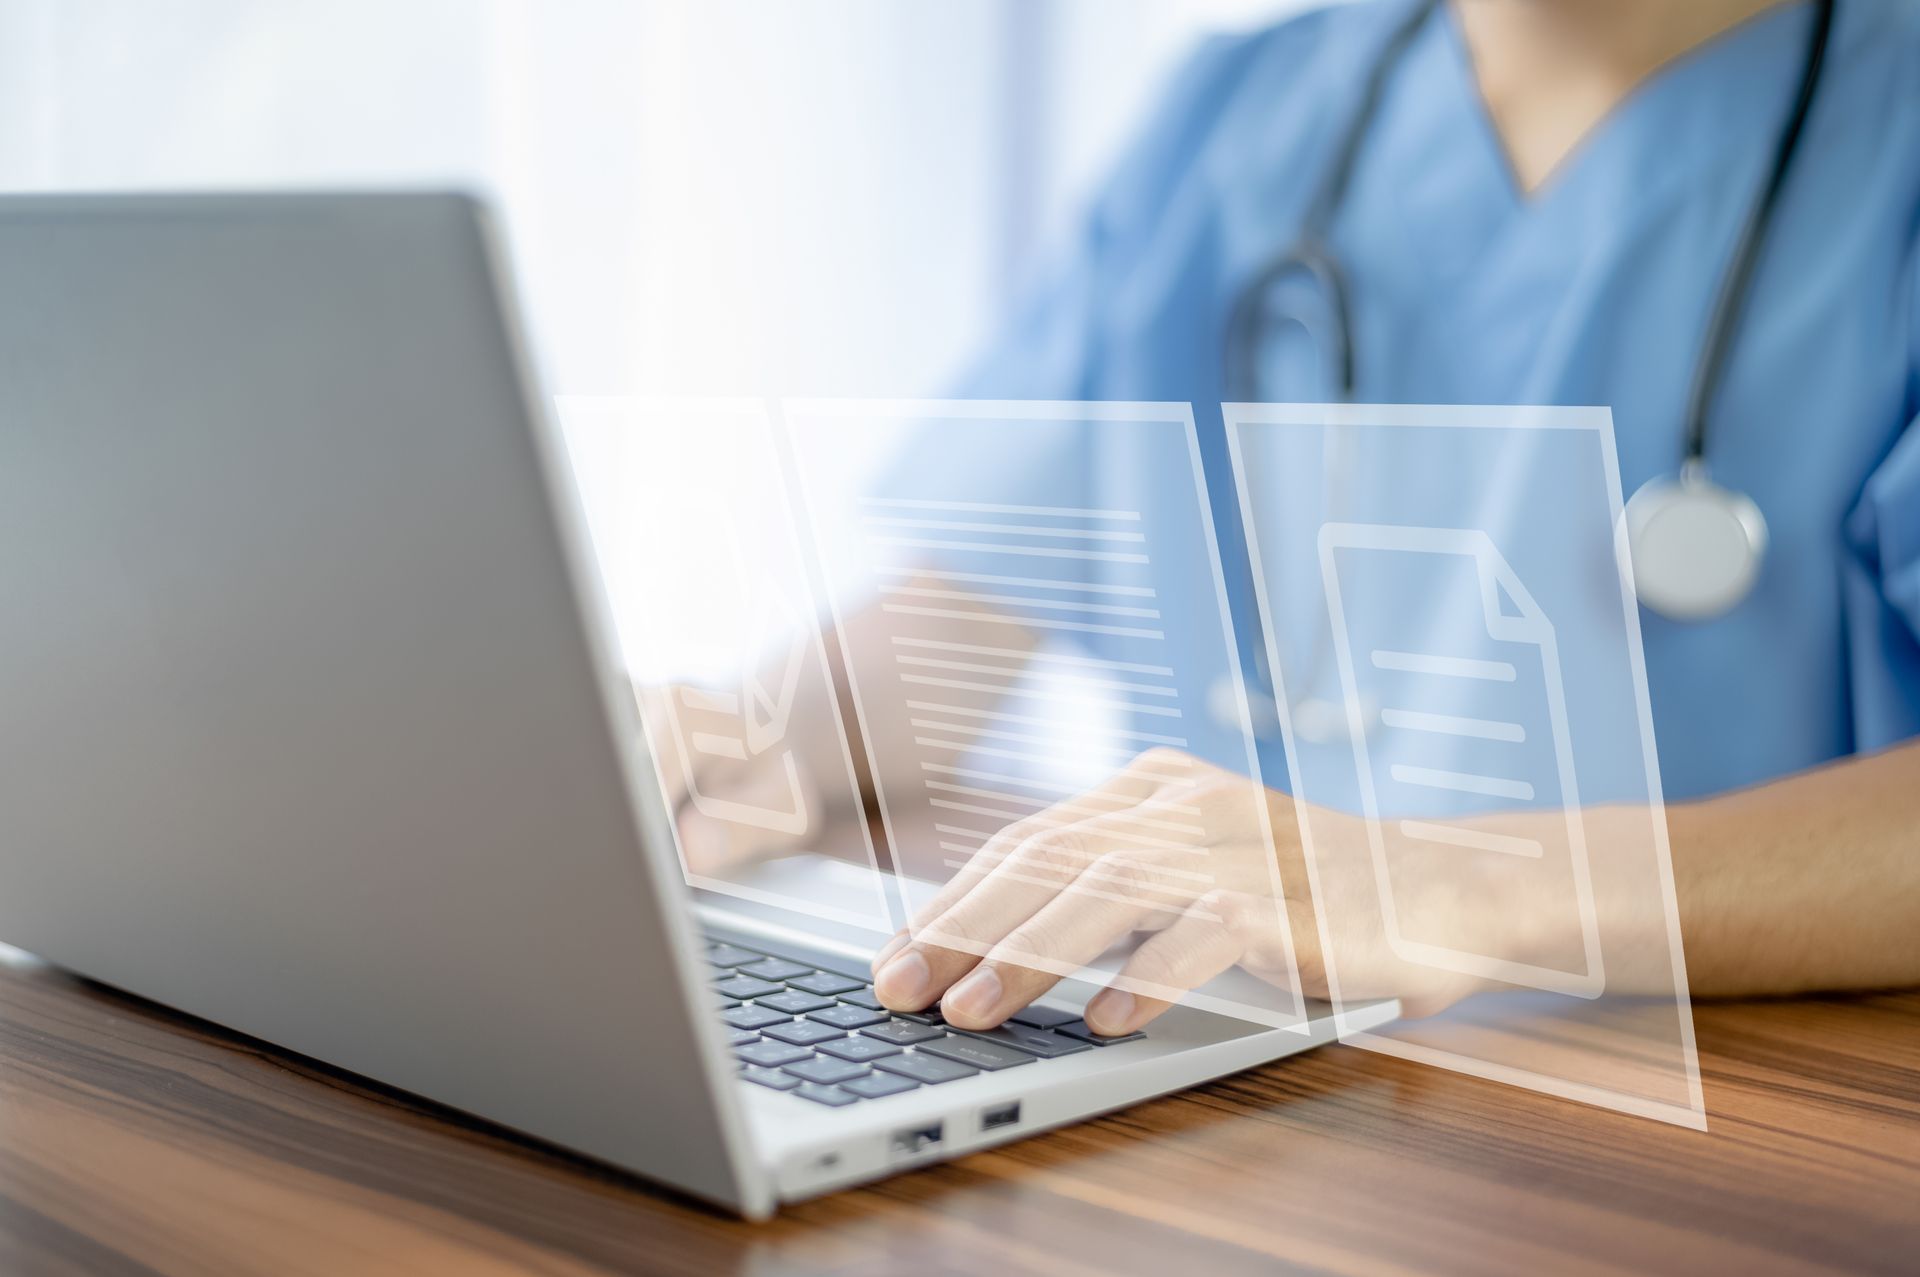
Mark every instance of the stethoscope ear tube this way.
pixel 1663 560
pixel 1251 322
pixel 1730 306
pixel 1311 252
pixel 1695 548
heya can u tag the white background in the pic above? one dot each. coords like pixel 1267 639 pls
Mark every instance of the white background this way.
pixel 727 197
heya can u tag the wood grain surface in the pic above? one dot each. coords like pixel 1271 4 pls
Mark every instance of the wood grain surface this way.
pixel 133 1140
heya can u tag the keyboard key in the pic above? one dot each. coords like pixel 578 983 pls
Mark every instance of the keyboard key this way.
pixel 725 1003
pixel 769 1077
pixel 826 983
pixel 858 1049
pixel 1078 1029
pixel 852 968
pixel 754 1017
pixel 876 1085
pixel 1039 1017
pixel 740 1037
pixel 862 997
pixel 802 1033
pixel 1037 1042
pixel 929 1016
pixel 981 1055
pixel 924 1068
pixel 775 969
pixel 846 1017
pixel 772 1055
pixel 727 955
pixel 831 1096
pixel 826 1071
pixel 903 1032
pixel 745 986
pixel 794 1002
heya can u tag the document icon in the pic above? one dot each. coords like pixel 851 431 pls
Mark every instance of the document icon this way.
pixel 745 724
pixel 1435 627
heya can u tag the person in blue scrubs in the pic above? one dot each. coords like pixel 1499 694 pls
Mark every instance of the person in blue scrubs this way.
pixel 1541 211
pixel 1585 280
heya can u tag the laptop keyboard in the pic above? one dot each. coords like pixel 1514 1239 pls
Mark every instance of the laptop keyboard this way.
pixel 822 1035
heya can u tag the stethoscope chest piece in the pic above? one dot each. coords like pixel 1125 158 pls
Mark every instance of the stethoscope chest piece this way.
pixel 1696 547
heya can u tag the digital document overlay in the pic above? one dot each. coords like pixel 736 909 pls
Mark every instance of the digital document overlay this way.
pixel 1032 615
pixel 724 641
pixel 1455 653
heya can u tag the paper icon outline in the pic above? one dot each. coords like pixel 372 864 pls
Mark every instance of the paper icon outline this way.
pixel 1533 628
pixel 764 715
pixel 800 414
pixel 603 433
pixel 1254 425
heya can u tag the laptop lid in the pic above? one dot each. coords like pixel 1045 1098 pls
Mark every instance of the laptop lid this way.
pixel 310 722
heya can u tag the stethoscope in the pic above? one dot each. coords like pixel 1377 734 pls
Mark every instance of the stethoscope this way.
pixel 1695 547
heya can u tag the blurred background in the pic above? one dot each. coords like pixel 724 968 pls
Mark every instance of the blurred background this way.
pixel 757 197
pixel 727 198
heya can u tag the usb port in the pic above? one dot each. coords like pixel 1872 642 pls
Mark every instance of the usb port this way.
pixel 999 1115
pixel 916 1139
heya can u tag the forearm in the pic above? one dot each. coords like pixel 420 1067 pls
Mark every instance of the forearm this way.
pixel 1807 883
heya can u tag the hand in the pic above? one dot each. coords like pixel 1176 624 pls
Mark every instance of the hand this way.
pixel 809 767
pixel 1179 850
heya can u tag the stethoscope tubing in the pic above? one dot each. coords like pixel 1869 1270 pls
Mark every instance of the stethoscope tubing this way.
pixel 1312 252
pixel 1312 256
pixel 1731 304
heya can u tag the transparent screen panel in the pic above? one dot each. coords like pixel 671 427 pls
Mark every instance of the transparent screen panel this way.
pixel 724 642
pixel 1457 660
pixel 1033 620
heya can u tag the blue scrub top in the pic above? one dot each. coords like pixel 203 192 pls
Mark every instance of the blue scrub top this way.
pixel 1593 290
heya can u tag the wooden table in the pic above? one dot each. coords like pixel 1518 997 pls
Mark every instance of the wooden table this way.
pixel 134 1140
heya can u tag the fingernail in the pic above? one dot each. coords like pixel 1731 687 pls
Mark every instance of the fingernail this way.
pixel 1109 1012
pixel 904 982
pixel 892 947
pixel 976 996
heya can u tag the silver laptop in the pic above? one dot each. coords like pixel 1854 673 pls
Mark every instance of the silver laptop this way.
pixel 312 723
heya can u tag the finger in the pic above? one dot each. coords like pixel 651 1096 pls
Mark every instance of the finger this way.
pixel 1020 870
pixel 1205 941
pixel 1144 781
pixel 891 947
pixel 981 864
pixel 1121 882
pixel 1017 885
pixel 1141 784
pixel 1056 942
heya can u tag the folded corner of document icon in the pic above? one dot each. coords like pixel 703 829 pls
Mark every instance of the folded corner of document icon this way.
pixel 1436 633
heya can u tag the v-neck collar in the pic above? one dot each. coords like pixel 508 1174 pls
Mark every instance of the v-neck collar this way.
pixel 1619 126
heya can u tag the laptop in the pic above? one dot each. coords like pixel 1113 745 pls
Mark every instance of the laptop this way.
pixel 315 726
